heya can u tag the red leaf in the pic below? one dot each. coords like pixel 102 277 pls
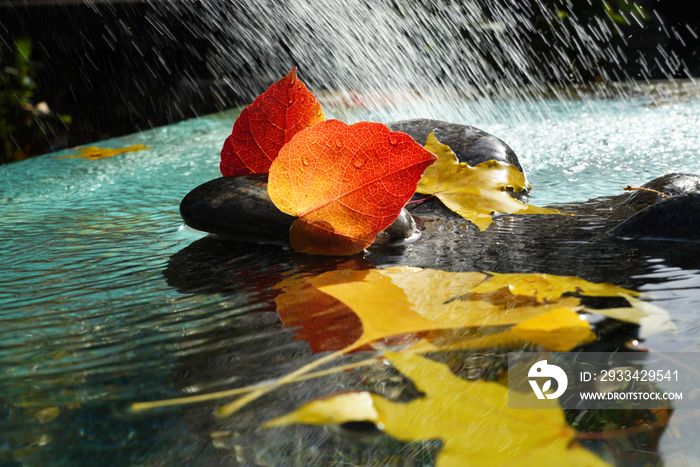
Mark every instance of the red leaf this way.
pixel 266 125
pixel 345 183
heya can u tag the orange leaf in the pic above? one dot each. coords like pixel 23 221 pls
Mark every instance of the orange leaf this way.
pixel 346 183
pixel 266 125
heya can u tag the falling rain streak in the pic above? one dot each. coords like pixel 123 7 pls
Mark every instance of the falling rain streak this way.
pixel 450 49
pixel 136 65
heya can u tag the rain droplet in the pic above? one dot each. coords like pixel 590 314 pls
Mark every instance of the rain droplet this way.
pixel 305 160
pixel 358 162
pixel 393 140
pixel 291 100
pixel 338 143
pixel 302 99
pixel 299 85
pixel 319 113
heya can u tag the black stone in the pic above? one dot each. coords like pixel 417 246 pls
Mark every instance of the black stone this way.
pixel 402 230
pixel 236 206
pixel 469 144
pixel 672 219
pixel 623 206
pixel 241 207
pixel 585 244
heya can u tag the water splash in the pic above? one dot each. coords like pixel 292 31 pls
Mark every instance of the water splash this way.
pixel 482 51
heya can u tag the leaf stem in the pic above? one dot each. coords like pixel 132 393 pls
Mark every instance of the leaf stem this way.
pixel 420 200
pixel 140 406
pixel 630 188
pixel 624 432
pixel 235 406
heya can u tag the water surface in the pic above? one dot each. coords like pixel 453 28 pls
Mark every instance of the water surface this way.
pixel 106 299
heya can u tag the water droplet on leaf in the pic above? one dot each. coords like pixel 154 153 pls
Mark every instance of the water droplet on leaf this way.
pixel 393 140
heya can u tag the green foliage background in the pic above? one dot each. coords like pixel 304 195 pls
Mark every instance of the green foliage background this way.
pixel 23 123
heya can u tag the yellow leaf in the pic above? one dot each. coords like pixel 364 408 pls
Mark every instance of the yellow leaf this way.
pixel 403 300
pixel 474 193
pixel 93 153
pixel 650 318
pixel 471 419
pixel 560 330
pixel 547 287
pixel 444 340
pixel 341 408
pixel 48 414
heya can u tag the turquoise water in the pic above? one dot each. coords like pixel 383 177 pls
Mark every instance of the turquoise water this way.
pixel 577 150
pixel 106 299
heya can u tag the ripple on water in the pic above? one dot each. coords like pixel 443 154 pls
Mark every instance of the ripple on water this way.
pixel 106 300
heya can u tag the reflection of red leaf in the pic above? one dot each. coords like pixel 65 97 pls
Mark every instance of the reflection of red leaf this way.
pixel 347 182
pixel 320 238
pixel 266 125
pixel 324 322
pixel 319 319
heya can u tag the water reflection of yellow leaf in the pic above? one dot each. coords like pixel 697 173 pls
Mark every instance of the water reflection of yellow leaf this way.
pixel 402 300
pixel 48 414
pixel 560 329
pixel 650 318
pixel 93 153
pixel 547 287
pixel 471 419
pixel 474 193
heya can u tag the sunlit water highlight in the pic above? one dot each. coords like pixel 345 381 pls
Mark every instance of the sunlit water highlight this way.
pixel 99 306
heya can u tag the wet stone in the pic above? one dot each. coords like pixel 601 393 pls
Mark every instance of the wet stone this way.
pixel 676 218
pixel 236 206
pixel 241 207
pixel 469 144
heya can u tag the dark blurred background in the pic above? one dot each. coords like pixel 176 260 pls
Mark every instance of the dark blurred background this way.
pixel 74 72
